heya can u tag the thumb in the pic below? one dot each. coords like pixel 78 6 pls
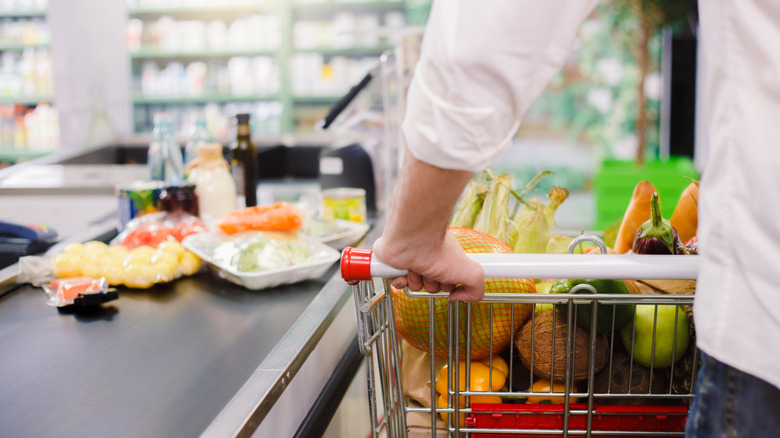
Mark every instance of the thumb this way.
pixel 472 289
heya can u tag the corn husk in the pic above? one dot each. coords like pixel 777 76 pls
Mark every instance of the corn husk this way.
pixel 471 204
pixel 531 228
pixel 494 219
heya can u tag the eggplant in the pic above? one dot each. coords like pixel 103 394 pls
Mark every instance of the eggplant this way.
pixel 657 236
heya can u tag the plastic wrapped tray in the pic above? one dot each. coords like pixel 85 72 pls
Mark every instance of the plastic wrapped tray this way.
pixel 337 234
pixel 219 252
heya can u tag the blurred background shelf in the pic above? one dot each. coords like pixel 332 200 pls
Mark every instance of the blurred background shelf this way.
pixel 153 52
pixel 218 9
pixel 27 100
pixel 21 46
pixel 347 51
pixel 349 5
pixel 140 98
pixel 12 155
pixel 316 99
pixel 22 14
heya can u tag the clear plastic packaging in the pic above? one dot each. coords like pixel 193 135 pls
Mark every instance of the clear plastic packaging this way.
pixel 153 229
pixel 259 260
pixel 138 268
pixel 78 291
pixel 337 234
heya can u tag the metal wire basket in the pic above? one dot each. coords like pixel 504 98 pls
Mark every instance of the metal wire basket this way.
pixel 580 404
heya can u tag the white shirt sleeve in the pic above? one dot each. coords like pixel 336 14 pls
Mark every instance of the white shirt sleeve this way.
pixel 482 65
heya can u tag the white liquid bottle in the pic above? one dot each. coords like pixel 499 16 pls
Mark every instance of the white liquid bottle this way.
pixel 214 185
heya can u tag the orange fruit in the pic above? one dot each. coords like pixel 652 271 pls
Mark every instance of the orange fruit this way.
pixel 412 318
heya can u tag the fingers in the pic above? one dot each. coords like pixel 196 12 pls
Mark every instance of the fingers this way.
pixel 469 295
pixel 413 284
pixel 399 282
pixel 415 281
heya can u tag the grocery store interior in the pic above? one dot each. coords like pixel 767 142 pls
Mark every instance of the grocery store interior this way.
pixel 108 109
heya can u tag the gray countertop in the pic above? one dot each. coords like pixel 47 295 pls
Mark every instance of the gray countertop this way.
pixel 160 362
pixel 199 355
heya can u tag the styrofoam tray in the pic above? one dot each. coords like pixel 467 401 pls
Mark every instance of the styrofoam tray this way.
pixel 348 233
pixel 320 258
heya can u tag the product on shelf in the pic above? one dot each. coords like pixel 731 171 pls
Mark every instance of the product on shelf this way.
pixel 255 32
pixel 312 76
pixel 266 117
pixel 26 73
pixel 23 128
pixel 24 31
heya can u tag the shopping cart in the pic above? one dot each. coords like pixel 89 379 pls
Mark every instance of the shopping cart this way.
pixel 586 410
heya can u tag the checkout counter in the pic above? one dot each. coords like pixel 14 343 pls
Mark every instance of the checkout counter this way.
pixel 198 356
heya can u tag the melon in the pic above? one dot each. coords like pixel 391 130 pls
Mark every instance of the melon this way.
pixel 412 316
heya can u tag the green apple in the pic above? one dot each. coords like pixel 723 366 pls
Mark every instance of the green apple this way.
pixel 666 349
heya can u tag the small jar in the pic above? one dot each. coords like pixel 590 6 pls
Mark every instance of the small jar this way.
pixel 180 198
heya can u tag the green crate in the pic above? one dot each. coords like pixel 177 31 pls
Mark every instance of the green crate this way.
pixel 615 180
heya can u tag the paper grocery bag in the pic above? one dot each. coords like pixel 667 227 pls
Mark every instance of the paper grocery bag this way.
pixel 651 287
pixel 416 373
pixel 418 425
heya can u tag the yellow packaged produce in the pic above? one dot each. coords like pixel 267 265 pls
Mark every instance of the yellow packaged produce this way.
pixel 114 273
pixel 93 269
pixel 66 265
pixel 74 248
pixel 189 264
pixel 118 252
pixel 166 264
pixel 95 246
pixel 139 276
pixel 142 255
pixel 173 247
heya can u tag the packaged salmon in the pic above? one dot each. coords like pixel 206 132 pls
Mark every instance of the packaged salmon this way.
pixel 79 291
pixel 280 216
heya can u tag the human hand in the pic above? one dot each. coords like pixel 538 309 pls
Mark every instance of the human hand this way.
pixel 434 263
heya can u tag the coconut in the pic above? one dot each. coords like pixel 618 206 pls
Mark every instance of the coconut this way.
pixel 685 371
pixel 546 356
pixel 623 377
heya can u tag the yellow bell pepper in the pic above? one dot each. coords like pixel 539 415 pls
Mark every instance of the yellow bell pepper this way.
pixel 542 386
pixel 483 379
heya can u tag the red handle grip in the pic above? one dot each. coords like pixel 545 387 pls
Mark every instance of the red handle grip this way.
pixel 355 265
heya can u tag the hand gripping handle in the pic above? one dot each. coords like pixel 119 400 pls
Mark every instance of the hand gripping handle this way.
pixel 358 265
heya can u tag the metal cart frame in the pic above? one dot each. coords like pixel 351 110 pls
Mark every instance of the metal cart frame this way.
pixel 380 341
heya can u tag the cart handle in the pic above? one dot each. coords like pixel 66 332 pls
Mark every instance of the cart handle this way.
pixel 357 264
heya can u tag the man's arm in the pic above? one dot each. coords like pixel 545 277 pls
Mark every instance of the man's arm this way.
pixel 415 237
pixel 482 65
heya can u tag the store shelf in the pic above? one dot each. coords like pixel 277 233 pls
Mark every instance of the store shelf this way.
pixel 22 14
pixel 13 155
pixel 149 53
pixel 134 12
pixel 15 46
pixel 346 5
pixel 373 50
pixel 27 100
pixel 317 99
pixel 141 99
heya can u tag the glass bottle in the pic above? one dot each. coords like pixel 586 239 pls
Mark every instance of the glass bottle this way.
pixel 243 162
pixel 164 158
pixel 198 137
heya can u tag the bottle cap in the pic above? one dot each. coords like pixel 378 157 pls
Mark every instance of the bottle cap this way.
pixel 242 118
